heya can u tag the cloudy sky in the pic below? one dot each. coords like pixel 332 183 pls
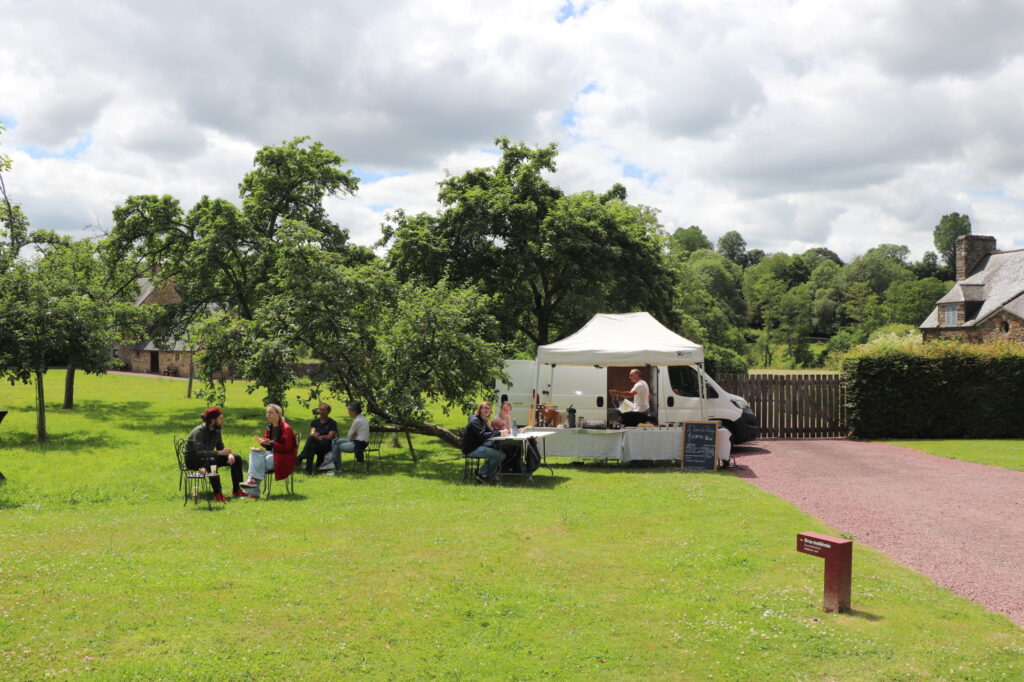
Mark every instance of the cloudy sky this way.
pixel 798 123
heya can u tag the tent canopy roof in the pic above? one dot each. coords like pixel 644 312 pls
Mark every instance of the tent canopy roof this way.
pixel 622 340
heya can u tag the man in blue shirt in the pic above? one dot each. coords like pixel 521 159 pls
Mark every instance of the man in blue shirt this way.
pixel 321 431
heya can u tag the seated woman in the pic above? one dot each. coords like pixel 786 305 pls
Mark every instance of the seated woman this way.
pixel 278 453
pixel 476 442
pixel 513 460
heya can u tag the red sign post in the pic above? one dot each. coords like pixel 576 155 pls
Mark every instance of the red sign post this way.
pixel 838 555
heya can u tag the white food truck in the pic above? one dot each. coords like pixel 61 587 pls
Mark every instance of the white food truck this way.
pixel 578 372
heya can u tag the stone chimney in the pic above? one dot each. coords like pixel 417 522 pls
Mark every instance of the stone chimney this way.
pixel 971 248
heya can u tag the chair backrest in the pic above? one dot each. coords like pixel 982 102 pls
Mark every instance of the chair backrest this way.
pixel 375 440
pixel 179 451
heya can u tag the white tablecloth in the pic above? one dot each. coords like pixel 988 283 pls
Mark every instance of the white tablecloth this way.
pixel 652 444
pixel 625 445
pixel 584 444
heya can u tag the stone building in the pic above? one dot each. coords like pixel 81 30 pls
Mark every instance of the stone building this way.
pixel 171 359
pixel 987 301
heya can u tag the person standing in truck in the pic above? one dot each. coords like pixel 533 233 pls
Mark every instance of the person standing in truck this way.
pixel 640 394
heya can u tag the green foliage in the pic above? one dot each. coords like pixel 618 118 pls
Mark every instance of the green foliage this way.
pixel 554 260
pixel 951 226
pixel 107 576
pixel 720 361
pixel 58 308
pixel 709 300
pixel 904 388
pixel 895 332
pixel 929 266
pixel 686 240
pixel 241 260
pixel 818 255
pixel 838 345
pixel 911 301
pixel 877 269
pixel 733 246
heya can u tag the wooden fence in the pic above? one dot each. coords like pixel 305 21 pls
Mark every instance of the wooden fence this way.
pixel 793 405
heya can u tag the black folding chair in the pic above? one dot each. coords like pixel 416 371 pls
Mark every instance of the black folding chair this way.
pixel 195 483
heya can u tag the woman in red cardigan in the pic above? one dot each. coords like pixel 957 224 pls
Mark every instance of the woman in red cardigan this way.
pixel 278 454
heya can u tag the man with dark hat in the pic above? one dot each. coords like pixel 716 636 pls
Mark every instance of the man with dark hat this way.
pixel 205 448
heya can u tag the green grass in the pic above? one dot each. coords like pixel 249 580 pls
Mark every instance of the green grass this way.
pixel 404 572
pixel 1007 454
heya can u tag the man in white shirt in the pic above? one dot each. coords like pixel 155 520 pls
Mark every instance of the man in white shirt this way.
pixel 356 441
pixel 640 394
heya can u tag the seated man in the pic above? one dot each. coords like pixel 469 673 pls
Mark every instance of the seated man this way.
pixel 356 441
pixel 204 448
pixel 322 431
pixel 640 394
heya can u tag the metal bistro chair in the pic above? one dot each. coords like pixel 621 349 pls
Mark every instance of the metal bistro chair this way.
pixel 376 438
pixel 268 483
pixel 195 483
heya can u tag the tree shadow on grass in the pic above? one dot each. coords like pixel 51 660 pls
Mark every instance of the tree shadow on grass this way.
pixel 445 468
pixel 241 422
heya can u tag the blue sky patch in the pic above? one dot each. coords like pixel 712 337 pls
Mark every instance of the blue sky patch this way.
pixel 72 153
pixel 569 10
pixel 365 175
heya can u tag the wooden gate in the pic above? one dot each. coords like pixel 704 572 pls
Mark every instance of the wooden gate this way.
pixel 794 405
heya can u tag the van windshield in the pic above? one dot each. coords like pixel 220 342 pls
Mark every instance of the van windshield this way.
pixel 684 382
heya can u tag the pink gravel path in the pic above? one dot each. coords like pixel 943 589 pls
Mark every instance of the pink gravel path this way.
pixel 961 524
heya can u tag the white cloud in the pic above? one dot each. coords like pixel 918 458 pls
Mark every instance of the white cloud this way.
pixel 799 123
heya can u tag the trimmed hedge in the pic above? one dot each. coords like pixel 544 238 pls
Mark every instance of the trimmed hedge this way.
pixel 941 389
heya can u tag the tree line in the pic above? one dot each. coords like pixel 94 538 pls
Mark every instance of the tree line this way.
pixel 509 261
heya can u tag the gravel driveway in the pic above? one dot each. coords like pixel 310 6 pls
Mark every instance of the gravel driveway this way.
pixel 959 523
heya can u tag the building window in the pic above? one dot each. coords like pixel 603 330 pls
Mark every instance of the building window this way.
pixel 950 315
pixel 1005 326
pixel 177 356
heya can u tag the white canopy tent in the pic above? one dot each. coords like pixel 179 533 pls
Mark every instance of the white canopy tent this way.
pixel 622 340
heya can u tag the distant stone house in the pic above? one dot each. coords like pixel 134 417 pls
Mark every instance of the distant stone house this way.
pixel 172 359
pixel 987 301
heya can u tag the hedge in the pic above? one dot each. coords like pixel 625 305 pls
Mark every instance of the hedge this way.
pixel 940 389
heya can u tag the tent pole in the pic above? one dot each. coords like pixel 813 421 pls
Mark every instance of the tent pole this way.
pixel 702 390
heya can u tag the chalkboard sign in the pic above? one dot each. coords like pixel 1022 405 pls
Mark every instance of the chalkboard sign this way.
pixel 700 445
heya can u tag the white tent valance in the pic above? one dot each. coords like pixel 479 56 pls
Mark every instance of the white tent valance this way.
pixel 622 340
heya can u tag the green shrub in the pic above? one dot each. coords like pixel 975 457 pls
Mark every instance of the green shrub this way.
pixel 721 361
pixel 900 387
pixel 895 331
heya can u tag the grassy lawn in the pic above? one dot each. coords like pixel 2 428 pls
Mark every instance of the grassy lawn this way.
pixel 404 572
pixel 1007 454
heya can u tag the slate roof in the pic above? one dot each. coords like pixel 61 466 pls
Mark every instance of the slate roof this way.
pixel 176 346
pixel 996 283
pixel 146 287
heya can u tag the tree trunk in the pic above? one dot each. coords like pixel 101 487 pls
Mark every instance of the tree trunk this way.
pixel 40 409
pixel 69 388
pixel 191 373
pixel 425 429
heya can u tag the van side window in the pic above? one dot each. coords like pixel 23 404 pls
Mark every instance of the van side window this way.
pixel 683 379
